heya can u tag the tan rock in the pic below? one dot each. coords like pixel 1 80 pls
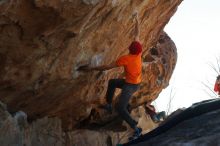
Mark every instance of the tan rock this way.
pixel 43 42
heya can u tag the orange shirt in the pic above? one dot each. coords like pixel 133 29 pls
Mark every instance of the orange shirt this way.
pixel 132 66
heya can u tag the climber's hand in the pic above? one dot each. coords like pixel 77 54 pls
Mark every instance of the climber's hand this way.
pixel 84 68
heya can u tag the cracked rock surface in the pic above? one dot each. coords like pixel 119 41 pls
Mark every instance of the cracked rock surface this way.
pixel 44 42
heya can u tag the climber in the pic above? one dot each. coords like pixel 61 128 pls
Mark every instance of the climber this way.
pixel 132 65
pixel 217 85
pixel 156 117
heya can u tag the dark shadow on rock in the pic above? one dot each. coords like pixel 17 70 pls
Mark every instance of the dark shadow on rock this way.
pixel 110 122
pixel 195 110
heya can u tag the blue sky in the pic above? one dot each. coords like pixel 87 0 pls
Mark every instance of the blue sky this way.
pixel 195 29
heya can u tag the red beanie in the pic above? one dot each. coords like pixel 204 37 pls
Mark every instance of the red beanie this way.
pixel 135 48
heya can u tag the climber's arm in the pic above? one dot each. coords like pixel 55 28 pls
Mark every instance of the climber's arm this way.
pixel 136 29
pixel 104 67
pixel 98 68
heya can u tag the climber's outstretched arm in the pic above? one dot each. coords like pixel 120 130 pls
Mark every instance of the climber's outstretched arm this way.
pixel 136 29
pixel 98 68
pixel 104 67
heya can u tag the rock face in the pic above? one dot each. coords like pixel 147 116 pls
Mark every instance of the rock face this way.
pixel 202 130
pixel 16 131
pixel 43 42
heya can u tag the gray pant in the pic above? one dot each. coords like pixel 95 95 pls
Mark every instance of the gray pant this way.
pixel 127 92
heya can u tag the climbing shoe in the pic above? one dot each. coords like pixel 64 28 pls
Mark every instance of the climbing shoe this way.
pixel 137 133
pixel 155 119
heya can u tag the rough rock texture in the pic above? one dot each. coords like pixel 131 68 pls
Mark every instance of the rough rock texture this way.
pixel 202 130
pixel 43 42
pixel 16 131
